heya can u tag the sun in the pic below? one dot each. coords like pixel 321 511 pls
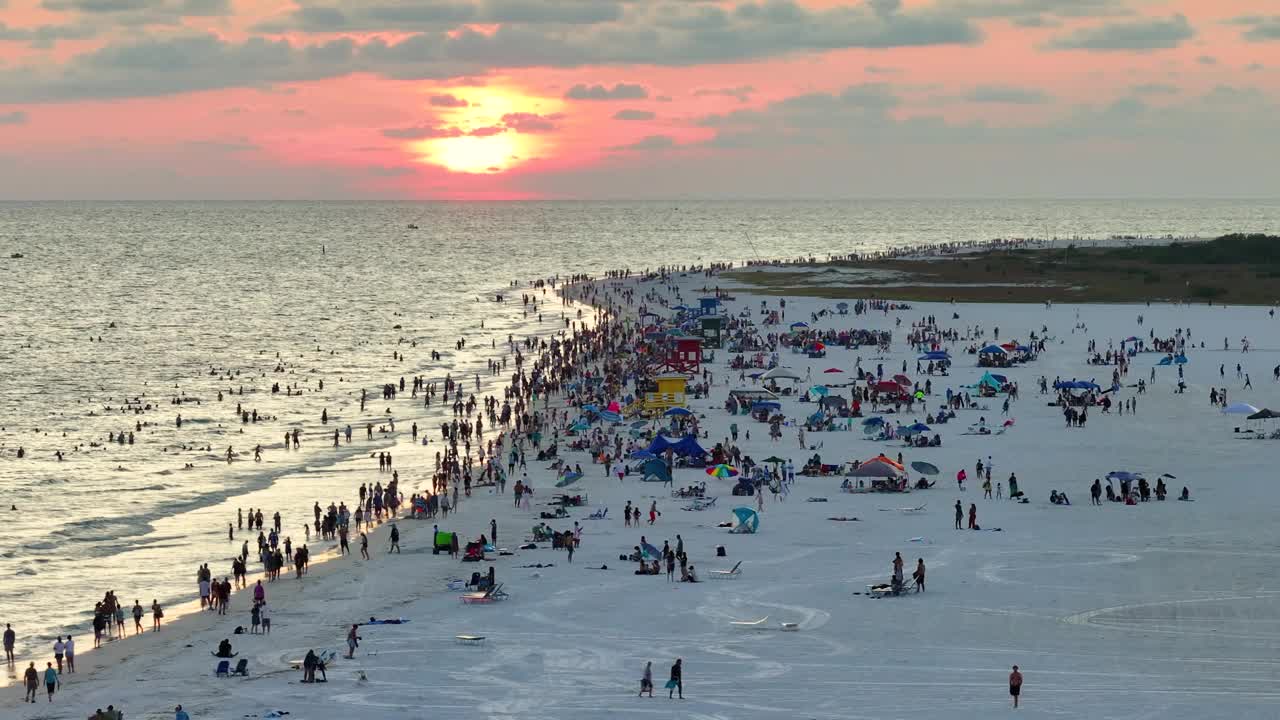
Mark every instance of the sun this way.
pixel 477 140
pixel 475 154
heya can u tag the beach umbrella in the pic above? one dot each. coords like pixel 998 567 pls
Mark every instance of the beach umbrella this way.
pixel 639 423
pixel 873 421
pixel 902 379
pixel 774 459
pixel 875 469
pixel 1180 359
pixel 722 471
pixel 678 411
pixel 610 416
pixel 579 426
pixel 833 370
pixel 615 406
pixel 919 428
pixel 799 325
pixel 642 455
pixel 820 390
pixel 1239 408
pixel 591 408
pixel 1123 475
pixel 924 468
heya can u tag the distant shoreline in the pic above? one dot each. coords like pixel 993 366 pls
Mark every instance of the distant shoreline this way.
pixel 1117 270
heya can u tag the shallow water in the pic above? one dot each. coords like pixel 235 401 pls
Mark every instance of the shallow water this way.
pixel 214 297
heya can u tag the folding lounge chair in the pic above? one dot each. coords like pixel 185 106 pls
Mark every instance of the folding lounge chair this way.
pixel 242 668
pixel 730 574
pixel 223 669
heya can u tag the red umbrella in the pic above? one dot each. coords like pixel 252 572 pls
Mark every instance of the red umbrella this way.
pixel 833 370
pixel 887 386
pixel 902 379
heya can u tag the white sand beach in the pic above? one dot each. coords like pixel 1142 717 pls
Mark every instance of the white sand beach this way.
pixel 1159 610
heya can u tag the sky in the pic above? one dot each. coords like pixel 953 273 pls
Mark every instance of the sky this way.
pixel 638 99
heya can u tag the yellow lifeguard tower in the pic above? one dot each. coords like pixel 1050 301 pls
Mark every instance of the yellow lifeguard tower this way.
pixel 670 393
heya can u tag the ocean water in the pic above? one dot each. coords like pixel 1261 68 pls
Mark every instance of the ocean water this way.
pixel 118 310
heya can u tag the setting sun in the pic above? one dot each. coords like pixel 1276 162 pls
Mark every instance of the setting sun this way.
pixel 472 154
pixel 486 129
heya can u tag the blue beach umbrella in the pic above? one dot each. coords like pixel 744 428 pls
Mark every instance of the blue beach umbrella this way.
pixel 820 390
pixel 674 412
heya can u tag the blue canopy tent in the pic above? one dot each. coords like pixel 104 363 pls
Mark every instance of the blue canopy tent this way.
pixel 685 447
pixel 799 326
pixel 1076 385
pixel 748 521
pixel 766 405
pixel 655 471
pixel 936 355
pixel 993 350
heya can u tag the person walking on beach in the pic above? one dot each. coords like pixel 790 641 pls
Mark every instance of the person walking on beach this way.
pixel 137 617
pixel 395 539
pixel 69 647
pixel 9 639
pixel 1015 685
pixel 58 650
pixel 676 683
pixel 156 614
pixel 646 680
pixel 364 546
pixel 50 680
pixel 31 679
pixel 353 641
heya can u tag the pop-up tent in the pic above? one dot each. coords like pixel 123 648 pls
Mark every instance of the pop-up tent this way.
pixel 747 521
pixel 656 471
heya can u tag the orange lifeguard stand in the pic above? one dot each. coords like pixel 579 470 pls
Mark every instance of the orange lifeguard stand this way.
pixel 685 357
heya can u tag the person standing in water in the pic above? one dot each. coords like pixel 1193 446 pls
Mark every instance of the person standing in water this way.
pixel 10 637
pixel 1015 685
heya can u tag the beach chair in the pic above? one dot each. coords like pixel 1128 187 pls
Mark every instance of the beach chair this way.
pixel 492 595
pixel 223 669
pixel 732 573
pixel 599 514
pixel 701 504
pixel 242 668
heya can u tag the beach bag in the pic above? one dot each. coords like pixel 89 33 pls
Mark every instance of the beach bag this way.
pixel 670 684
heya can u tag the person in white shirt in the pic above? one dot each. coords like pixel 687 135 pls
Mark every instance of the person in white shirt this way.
pixel 204 595
pixel 58 650
pixel 69 647
pixel 266 619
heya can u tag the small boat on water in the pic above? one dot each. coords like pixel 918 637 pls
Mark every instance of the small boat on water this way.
pixel 413 226
pixel 16 256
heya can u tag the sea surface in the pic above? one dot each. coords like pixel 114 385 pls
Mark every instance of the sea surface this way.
pixel 118 311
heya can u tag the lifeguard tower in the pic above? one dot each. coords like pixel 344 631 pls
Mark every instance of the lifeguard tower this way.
pixel 670 393
pixel 713 331
pixel 684 357
pixel 708 306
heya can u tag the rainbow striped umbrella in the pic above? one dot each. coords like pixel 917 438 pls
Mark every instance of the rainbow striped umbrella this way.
pixel 722 471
